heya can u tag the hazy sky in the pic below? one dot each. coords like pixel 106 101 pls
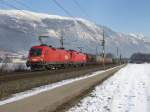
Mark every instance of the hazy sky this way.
pixel 129 16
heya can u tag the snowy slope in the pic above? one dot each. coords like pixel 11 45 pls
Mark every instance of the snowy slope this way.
pixel 19 31
pixel 127 91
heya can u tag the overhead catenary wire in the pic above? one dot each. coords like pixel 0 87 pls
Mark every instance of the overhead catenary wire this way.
pixel 3 6
pixel 69 14
pixel 23 4
pixel 61 7
pixel 9 5
pixel 80 7
pixel 14 7
pixel 65 10
pixel 4 3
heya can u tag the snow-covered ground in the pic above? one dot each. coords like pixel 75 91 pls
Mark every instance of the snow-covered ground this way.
pixel 10 67
pixel 127 91
pixel 10 62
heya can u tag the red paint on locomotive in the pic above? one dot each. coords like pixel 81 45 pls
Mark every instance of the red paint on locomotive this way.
pixel 77 57
pixel 45 55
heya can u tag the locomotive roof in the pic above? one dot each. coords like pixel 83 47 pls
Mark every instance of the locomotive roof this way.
pixel 44 45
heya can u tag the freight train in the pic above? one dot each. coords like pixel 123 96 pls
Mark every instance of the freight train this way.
pixel 48 57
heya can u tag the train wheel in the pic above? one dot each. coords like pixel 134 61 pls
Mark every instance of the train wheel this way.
pixel 32 68
pixel 48 67
pixel 66 65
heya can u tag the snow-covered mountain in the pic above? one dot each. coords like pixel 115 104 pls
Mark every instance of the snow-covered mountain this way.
pixel 19 31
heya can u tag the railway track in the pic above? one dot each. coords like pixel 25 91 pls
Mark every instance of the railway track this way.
pixel 5 77
pixel 14 83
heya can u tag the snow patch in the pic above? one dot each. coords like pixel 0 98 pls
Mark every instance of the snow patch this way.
pixel 10 67
pixel 127 91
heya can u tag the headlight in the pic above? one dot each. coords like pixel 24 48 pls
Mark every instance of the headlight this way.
pixel 41 59
pixel 34 59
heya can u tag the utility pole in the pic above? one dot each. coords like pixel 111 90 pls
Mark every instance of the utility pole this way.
pixel 96 51
pixel 103 45
pixel 117 55
pixel 120 58
pixel 80 48
pixel 62 40
pixel 40 39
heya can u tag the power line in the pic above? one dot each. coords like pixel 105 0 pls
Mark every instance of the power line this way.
pixel 12 6
pixel 80 7
pixel 67 12
pixel 3 7
pixel 9 5
pixel 62 39
pixel 61 7
pixel 23 4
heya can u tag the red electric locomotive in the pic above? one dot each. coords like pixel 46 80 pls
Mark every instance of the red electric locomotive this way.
pixel 44 56
pixel 78 58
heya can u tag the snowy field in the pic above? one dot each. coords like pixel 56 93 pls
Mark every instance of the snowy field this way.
pixel 127 91
pixel 10 67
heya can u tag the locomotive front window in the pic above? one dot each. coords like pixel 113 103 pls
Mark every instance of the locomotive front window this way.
pixel 36 52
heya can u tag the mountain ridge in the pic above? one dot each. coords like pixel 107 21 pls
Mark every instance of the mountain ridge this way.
pixel 19 31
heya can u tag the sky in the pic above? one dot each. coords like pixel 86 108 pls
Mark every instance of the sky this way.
pixel 127 16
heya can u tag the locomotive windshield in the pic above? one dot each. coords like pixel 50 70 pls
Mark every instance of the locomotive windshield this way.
pixel 36 52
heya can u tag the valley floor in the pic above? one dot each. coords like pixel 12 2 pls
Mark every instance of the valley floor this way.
pixel 127 91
